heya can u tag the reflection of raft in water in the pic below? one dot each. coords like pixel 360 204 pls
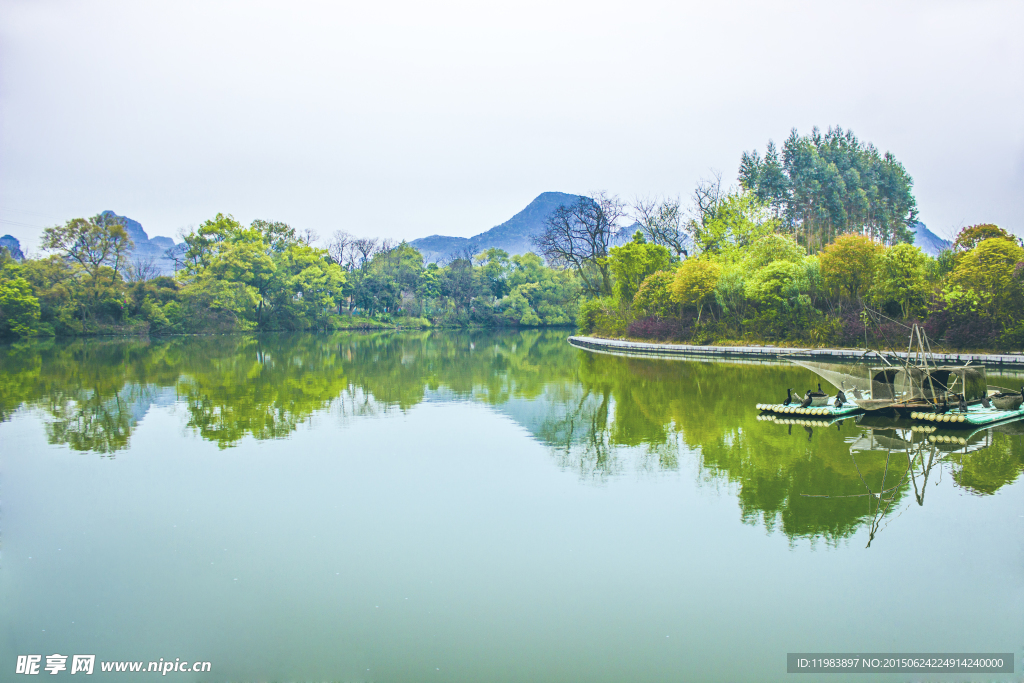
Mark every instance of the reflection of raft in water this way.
pixel 806 421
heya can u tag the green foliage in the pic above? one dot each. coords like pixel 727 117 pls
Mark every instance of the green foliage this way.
pixel 983 281
pixel 655 296
pixel 739 220
pixel 602 316
pixel 94 250
pixel 973 235
pixel 539 295
pixel 848 266
pixel 771 248
pixel 695 282
pixel 19 308
pixel 631 263
pixel 901 279
pixel 828 185
pixel 777 285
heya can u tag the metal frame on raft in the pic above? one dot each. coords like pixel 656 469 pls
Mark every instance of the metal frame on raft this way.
pixel 913 387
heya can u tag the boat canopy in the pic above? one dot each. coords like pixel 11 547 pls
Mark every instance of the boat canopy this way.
pixel 898 383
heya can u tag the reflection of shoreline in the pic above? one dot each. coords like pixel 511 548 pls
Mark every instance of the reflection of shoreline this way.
pixel 600 416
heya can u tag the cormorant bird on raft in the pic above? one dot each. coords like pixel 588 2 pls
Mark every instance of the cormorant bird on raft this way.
pixel 807 399
pixel 819 393
pixel 789 397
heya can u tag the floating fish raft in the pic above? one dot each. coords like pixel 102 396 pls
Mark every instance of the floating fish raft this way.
pixel 976 416
pixel 827 410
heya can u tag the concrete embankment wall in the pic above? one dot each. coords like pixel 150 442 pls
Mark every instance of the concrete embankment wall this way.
pixel 1006 361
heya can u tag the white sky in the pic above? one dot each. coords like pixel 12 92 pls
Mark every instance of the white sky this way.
pixel 405 119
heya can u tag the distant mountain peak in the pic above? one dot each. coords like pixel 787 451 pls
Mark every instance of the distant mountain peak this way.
pixel 13 247
pixel 927 241
pixel 514 235
pixel 146 248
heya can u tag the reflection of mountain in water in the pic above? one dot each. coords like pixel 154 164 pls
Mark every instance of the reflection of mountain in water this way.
pixel 600 415
pixel 90 421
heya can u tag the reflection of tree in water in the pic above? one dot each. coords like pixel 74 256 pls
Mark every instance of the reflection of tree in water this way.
pixel 913 456
pixel 265 387
pixel 644 414
pixel 91 422
pixel 602 416
pixel 577 430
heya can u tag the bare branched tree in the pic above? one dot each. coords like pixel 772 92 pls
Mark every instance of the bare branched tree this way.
pixel 463 254
pixel 340 246
pixel 707 197
pixel 140 270
pixel 577 236
pixel 309 236
pixel 364 248
pixel 662 223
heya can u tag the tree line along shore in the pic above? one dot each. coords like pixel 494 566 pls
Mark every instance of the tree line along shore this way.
pixel 811 237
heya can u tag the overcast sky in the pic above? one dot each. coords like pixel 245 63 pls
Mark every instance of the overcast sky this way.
pixel 405 119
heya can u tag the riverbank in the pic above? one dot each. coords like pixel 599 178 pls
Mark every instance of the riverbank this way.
pixel 779 352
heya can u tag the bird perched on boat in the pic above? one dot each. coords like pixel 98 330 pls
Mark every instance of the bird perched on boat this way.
pixel 807 399
pixel 789 397
pixel 819 392
pixel 841 398
pixel 963 404
pixel 941 408
pixel 985 402
pixel 856 394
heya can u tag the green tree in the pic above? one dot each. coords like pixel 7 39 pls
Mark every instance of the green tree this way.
pixel 901 278
pixel 848 265
pixel 694 283
pixel 494 271
pixel 99 247
pixel 771 248
pixel 984 276
pixel 739 220
pixel 19 308
pixel 778 285
pixel 831 184
pixel 971 236
pixel 631 263
pixel 655 295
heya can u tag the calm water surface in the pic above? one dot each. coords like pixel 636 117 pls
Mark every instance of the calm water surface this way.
pixel 481 507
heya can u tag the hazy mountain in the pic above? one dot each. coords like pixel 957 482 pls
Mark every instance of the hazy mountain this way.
pixel 513 235
pixel 13 247
pixel 928 241
pixel 147 248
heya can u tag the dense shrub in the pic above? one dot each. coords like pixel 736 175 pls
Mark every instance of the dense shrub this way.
pixel 653 327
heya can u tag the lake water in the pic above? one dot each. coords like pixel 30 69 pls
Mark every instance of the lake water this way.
pixel 433 506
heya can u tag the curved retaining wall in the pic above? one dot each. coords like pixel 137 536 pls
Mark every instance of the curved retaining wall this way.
pixel 1008 361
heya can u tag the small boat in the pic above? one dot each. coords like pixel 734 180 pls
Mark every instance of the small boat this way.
pixel 818 398
pixel 1007 400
